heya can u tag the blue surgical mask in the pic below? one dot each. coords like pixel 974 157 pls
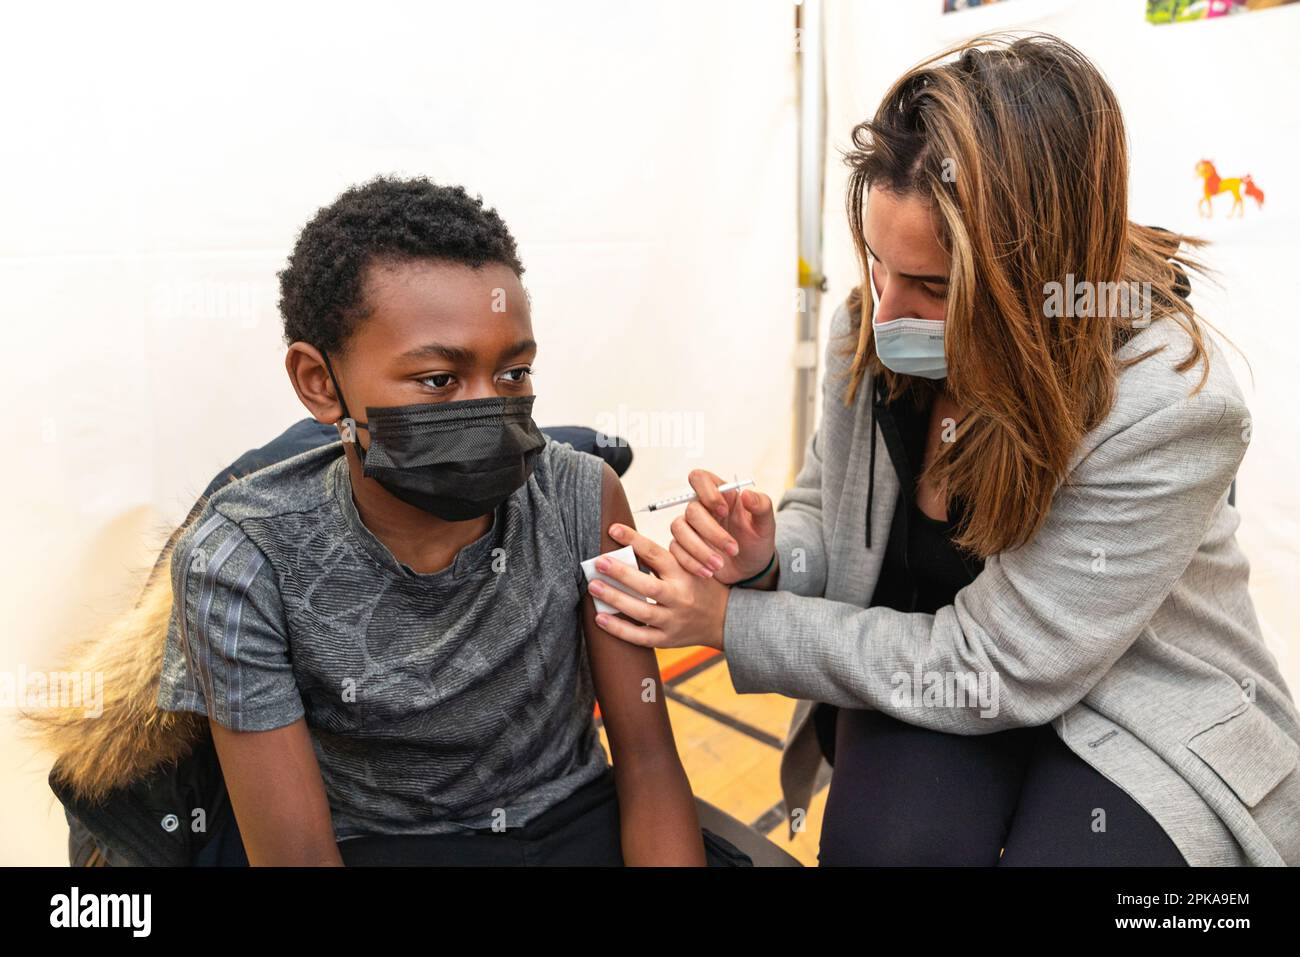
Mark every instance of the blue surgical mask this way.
pixel 912 347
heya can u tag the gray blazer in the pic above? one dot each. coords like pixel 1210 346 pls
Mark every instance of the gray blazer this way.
pixel 1125 622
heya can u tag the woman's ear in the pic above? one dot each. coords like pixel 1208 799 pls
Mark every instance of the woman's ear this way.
pixel 311 380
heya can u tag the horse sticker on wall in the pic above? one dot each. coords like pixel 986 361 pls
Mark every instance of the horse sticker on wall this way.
pixel 1214 184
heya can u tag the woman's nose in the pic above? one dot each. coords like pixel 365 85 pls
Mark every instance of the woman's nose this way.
pixel 887 306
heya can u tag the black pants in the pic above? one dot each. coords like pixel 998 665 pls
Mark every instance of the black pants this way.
pixel 904 795
pixel 580 831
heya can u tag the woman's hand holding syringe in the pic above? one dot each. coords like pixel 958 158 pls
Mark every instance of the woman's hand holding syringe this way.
pixel 727 532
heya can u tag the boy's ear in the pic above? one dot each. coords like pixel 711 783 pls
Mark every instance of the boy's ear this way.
pixel 311 380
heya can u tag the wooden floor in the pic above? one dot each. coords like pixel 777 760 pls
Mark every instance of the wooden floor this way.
pixel 730 745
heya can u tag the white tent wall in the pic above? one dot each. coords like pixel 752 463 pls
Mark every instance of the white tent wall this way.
pixel 1218 90
pixel 160 159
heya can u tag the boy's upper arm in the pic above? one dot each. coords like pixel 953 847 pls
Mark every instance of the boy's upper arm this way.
pixel 278 795
pixel 626 676
pixel 227 652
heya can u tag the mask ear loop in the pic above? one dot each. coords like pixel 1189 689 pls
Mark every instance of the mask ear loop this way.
pixel 348 425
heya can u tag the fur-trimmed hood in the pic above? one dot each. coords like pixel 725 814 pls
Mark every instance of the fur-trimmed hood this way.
pixel 130 737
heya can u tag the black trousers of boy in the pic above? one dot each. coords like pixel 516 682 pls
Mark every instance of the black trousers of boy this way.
pixel 903 795
pixel 580 831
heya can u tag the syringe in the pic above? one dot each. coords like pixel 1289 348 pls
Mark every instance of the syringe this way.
pixel 691 496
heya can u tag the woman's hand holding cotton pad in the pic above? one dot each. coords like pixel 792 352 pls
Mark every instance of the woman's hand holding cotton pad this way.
pixel 625 555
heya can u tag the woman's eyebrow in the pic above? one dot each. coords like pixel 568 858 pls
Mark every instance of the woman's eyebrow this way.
pixel 936 280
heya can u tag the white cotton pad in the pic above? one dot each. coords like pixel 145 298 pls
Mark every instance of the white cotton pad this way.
pixel 628 557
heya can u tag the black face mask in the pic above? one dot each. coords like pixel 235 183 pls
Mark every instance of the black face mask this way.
pixel 455 460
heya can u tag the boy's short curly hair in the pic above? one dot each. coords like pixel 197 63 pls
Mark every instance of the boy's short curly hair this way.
pixel 384 220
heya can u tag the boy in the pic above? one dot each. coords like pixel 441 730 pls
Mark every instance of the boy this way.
pixel 388 644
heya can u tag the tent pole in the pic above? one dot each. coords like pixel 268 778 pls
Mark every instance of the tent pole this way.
pixel 811 65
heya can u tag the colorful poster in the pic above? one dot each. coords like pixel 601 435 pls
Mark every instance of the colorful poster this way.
pixel 1181 11
pixel 952 6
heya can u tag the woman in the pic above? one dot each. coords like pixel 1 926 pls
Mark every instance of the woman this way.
pixel 1007 571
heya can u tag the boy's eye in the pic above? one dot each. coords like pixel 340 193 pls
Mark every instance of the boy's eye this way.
pixel 439 380
pixel 518 375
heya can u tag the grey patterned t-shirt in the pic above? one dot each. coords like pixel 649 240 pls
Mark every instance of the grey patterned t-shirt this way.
pixel 436 702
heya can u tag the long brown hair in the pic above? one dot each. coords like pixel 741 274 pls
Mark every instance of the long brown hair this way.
pixel 1018 146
